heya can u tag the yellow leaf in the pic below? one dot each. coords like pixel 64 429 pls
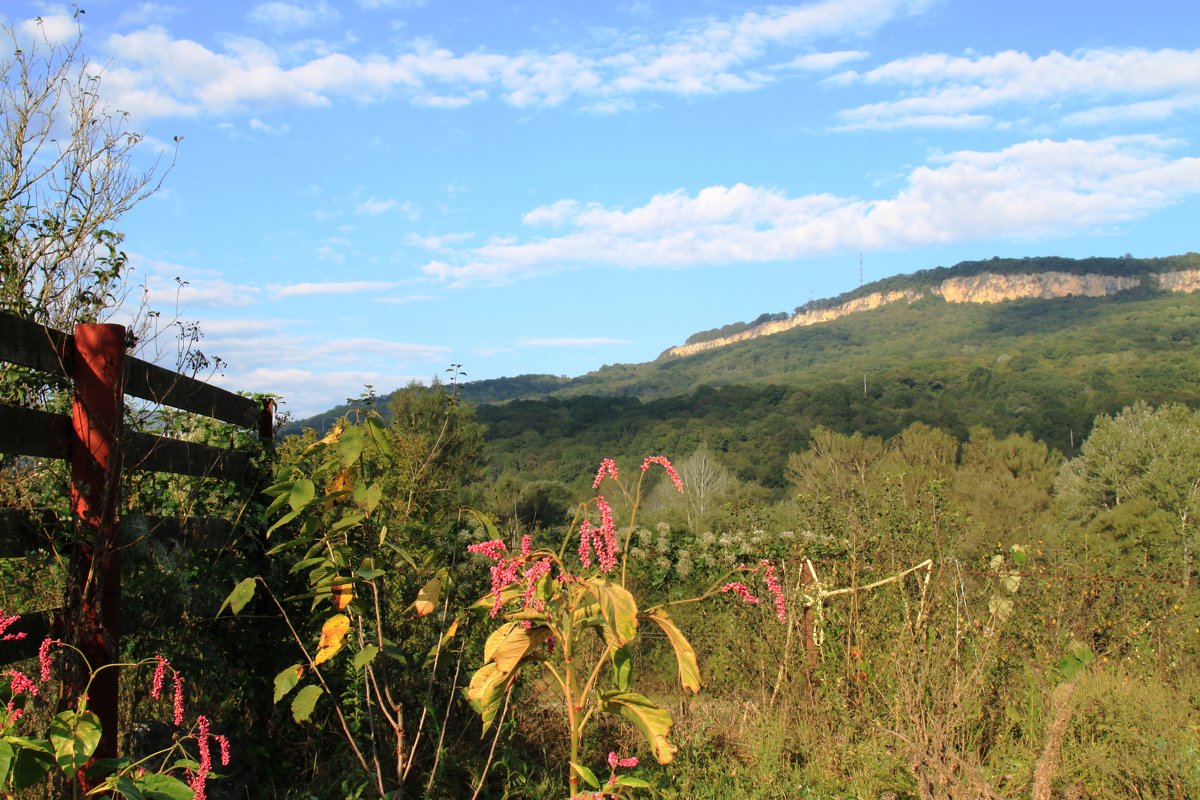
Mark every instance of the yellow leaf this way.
pixel 333 635
pixel 510 643
pixel 427 598
pixel 685 655
pixel 343 593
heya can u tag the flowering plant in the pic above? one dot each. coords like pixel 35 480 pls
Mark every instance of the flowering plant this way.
pixel 548 608
pixel 73 735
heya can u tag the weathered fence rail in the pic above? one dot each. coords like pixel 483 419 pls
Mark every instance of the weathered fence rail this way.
pixel 94 441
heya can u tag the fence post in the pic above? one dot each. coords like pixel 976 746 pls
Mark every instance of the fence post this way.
pixel 94 608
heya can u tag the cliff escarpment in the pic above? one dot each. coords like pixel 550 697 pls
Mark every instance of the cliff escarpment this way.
pixel 984 287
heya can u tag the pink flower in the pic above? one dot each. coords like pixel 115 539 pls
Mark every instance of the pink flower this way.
pixel 665 464
pixel 494 549
pixel 44 658
pixel 160 672
pixel 21 684
pixel 503 575
pixel 201 776
pixel 585 544
pixel 526 544
pixel 223 741
pixel 6 622
pixel 606 546
pixel 775 589
pixel 532 576
pixel 606 466
pixel 742 591
pixel 615 763
pixel 178 700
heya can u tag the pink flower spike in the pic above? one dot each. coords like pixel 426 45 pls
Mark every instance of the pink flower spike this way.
pixel 6 621
pixel 606 466
pixel 775 589
pixel 223 741
pixel 44 662
pixel 665 464
pixel 585 544
pixel 494 549
pixel 160 672
pixel 21 683
pixel 178 720
pixel 612 760
pixel 526 544
pixel 741 590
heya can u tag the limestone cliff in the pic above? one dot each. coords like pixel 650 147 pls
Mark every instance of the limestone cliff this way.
pixel 983 288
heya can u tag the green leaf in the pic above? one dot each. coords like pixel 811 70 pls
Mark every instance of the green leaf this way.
pixel 302 494
pixel 652 720
pixel 1020 555
pixel 240 595
pixel 588 776
pixel 163 787
pixel 124 786
pixel 632 782
pixel 286 681
pixel 284 520
pixel 619 610
pixel 685 655
pixel 34 759
pixel 374 495
pixel 348 521
pixel 379 437
pixel 350 446
pixel 305 702
pixel 365 656
pixel 622 661
pixel 7 756
pixel 74 736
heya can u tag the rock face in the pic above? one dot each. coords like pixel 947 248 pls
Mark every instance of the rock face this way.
pixel 983 288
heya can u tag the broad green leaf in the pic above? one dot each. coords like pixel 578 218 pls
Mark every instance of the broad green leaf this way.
pixel 287 680
pixel 370 574
pixel 619 610
pixel 427 598
pixel 241 594
pixel 305 563
pixel 284 520
pixel 588 776
pixel 652 720
pixel 622 662
pixel 163 787
pixel 305 701
pixel 365 656
pixel 33 760
pixel 125 787
pixel 7 755
pixel 374 495
pixel 685 655
pixel 632 782
pixel 350 446
pixel 74 736
pixel 1020 555
pixel 348 521
pixel 510 643
pixel 485 603
pixel 302 494
pixel 379 437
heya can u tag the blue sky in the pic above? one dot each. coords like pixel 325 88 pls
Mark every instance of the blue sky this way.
pixel 368 192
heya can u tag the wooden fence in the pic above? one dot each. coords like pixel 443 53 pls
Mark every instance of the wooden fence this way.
pixel 94 441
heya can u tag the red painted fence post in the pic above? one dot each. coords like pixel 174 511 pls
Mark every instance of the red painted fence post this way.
pixel 93 620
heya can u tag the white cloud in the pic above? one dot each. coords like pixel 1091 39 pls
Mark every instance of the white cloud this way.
pixel 952 89
pixel 373 207
pixel 51 29
pixel 820 62
pixel 153 74
pixel 1031 189
pixel 286 17
pixel 257 124
pixel 329 287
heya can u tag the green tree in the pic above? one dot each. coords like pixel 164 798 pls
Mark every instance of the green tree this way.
pixel 1146 455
